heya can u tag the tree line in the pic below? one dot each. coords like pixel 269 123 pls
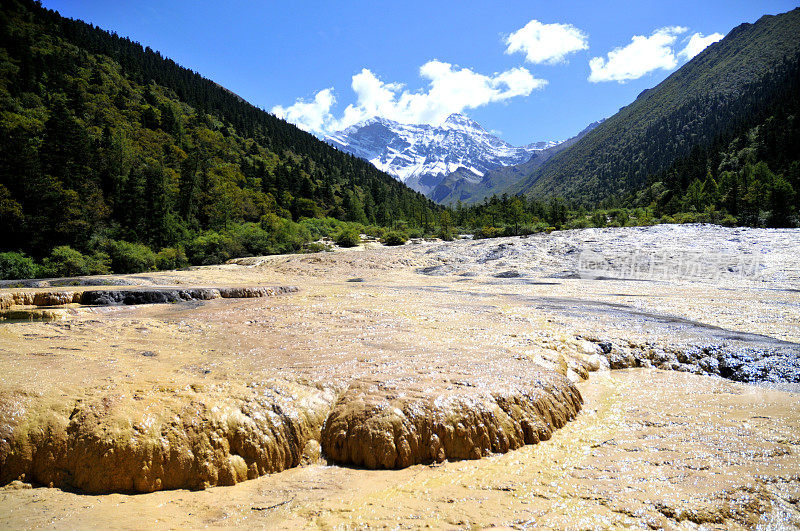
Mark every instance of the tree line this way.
pixel 107 148
pixel 113 158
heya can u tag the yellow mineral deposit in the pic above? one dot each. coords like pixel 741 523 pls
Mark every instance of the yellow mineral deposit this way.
pixel 414 397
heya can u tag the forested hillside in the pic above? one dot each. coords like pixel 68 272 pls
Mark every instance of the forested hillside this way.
pixel 713 121
pixel 117 153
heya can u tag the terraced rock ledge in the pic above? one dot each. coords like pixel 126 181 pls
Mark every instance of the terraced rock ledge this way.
pixel 107 297
pixel 378 426
pixel 162 439
pixel 201 437
pixel 184 422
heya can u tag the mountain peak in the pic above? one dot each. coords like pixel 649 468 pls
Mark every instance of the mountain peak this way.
pixel 422 155
pixel 373 120
pixel 460 121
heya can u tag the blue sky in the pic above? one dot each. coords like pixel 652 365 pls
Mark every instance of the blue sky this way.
pixel 417 61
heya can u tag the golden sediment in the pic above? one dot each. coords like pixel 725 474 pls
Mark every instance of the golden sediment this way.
pixel 167 429
pixel 420 373
pixel 380 425
pixel 161 439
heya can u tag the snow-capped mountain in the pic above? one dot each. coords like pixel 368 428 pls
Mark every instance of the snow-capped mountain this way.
pixel 422 156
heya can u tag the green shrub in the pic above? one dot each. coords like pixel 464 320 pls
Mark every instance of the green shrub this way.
pixel 704 217
pixel 16 266
pixel 686 217
pixel 400 226
pixel 534 228
pixel 283 235
pixel 322 227
pixel 317 247
pixel 98 264
pixel 64 261
pixel 577 223
pixel 273 235
pixel 171 258
pixel 211 248
pixel 374 231
pixel 599 219
pixel 446 234
pixel 395 238
pixel 251 239
pixel 416 233
pixel 348 237
pixel 644 217
pixel 487 232
pixel 129 257
pixel 619 216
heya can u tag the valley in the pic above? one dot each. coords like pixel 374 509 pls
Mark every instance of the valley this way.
pixel 369 310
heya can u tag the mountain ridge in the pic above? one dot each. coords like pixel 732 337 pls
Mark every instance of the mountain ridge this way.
pixel 422 155
pixel 454 189
pixel 695 105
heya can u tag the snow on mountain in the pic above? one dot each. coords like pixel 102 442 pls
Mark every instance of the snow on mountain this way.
pixel 421 156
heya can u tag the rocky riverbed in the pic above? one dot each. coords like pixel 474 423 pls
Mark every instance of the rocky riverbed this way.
pixel 443 363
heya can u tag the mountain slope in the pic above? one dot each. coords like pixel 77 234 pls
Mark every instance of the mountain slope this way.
pixel 103 139
pixel 421 156
pixel 715 94
pixel 456 187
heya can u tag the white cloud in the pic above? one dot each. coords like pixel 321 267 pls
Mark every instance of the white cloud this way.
pixel 309 116
pixel 546 43
pixel 698 43
pixel 450 89
pixel 641 56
